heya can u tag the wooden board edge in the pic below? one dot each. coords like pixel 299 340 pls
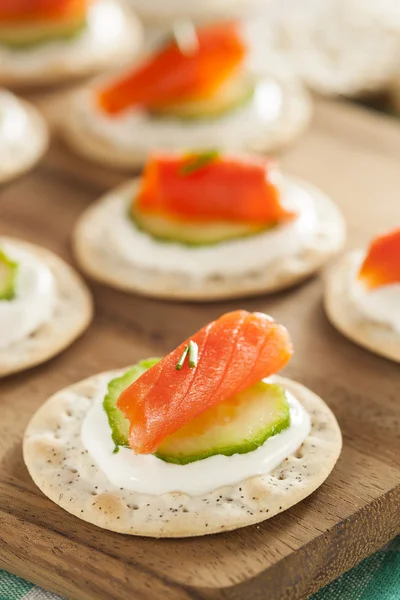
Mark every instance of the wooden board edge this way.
pixel 320 561
pixel 323 559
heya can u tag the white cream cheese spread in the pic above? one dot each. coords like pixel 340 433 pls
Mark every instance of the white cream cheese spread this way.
pixel 148 474
pixel 34 301
pixel 235 257
pixel 137 131
pixel 381 304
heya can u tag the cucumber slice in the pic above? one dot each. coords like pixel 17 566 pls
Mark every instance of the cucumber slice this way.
pixel 24 36
pixel 8 277
pixel 166 229
pixel 232 95
pixel 236 426
pixel 118 423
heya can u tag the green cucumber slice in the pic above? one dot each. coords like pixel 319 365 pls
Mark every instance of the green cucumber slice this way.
pixel 24 36
pixel 234 94
pixel 236 426
pixel 165 229
pixel 118 423
pixel 8 277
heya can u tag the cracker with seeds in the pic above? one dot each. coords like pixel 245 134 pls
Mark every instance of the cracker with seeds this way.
pixel 62 468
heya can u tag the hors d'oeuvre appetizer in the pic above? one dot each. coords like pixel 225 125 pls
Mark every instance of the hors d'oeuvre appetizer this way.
pixel 48 41
pixel 44 305
pixel 195 91
pixel 23 136
pixel 362 296
pixel 204 226
pixel 204 440
pixel 161 12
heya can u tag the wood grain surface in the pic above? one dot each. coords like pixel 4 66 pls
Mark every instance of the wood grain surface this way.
pixel 354 157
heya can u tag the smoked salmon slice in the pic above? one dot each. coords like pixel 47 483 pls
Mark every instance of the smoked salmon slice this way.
pixel 171 76
pixel 208 187
pixel 234 352
pixel 26 10
pixel 382 263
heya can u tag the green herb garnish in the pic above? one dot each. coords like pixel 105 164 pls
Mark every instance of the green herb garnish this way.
pixel 193 354
pixel 192 349
pixel 198 160
pixel 179 364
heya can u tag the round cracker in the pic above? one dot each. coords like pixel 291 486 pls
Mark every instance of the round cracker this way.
pixel 344 315
pixel 77 64
pixel 72 314
pixel 61 467
pixel 294 119
pixel 26 155
pixel 99 262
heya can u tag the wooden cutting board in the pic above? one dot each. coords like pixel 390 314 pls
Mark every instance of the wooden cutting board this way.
pixel 354 156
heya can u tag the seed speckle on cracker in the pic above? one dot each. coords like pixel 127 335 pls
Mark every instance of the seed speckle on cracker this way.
pixel 62 469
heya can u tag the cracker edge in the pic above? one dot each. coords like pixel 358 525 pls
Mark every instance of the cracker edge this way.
pixel 280 502
pixel 38 128
pixel 341 313
pixel 53 349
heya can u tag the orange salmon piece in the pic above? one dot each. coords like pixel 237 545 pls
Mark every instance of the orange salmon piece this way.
pixel 170 76
pixel 382 263
pixel 27 10
pixel 234 352
pixel 222 189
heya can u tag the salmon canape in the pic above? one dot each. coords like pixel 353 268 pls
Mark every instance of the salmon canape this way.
pixel 196 90
pixel 25 24
pixel 363 295
pixel 44 305
pixel 205 225
pixel 47 41
pixel 203 440
pixel 19 122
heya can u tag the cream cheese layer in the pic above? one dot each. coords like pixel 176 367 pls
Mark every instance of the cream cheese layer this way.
pixel 236 257
pixel 381 304
pixel 34 302
pixel 148 474
pixel 136 131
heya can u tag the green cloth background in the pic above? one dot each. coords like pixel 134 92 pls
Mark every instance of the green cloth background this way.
pixel 375 578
